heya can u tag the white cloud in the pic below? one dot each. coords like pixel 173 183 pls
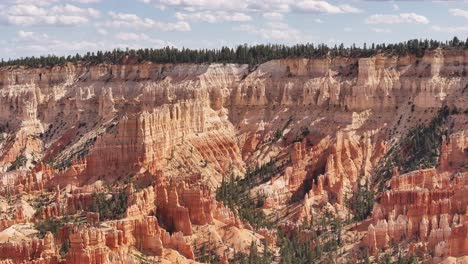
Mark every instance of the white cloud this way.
pixel 404 18
pixel 381 30
pixel 86 1
pixel 273 16
pixel 35 2
pixel 248 28
pixel 139 40
pixel 119 20
pixel 348 29
pixel 74 10
pixel 59 15
pixel 129 20
pixel 29 43
pixel 31 36
pixel 395 7
pixel 23 34
pixel 125 36
pixel 281 6
pixel 198 5
pixel 26 11
pixel 459 12
pixel 57 47
pixel 318 20
pixel 274 31
pixel 349 9
pixel 450 29
pixel 102 31
pixel 315 6
pixel 213 16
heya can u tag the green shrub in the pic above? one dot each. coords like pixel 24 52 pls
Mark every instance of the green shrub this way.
pixel 234 193
pixel 50 225
pixel 19 162
pixel 278 135
pixel 108 209
pixel 64 248
pixel 323 236
pixel 361 202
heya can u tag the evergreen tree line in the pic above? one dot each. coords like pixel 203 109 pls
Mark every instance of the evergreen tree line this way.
pixel 242 54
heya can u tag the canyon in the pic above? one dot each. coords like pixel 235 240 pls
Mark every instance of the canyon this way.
pixel 76 138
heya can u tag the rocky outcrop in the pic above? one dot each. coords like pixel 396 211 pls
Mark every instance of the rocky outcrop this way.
pixel 182 206
pixel 453 153
pixel 148 237
pixel 428 204
pixel 142 202
pixel 40 250
pixel 143 112
pixel 327 171
pixel 174 131
pixel 149 140
pixel 88 246
pixel 174 216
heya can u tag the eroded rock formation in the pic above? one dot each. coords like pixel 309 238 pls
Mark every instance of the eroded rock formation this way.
pixel 168 134
pixel 429 204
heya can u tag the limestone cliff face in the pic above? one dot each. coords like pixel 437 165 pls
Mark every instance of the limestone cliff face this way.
pixel 428 204
pixel 177 130
pixel 358 83
pixel 41 249
pixel 134 116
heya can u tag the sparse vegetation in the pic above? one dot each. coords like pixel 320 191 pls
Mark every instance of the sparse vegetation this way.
pixel 234 193
pixel 420 147
pixel 254 257
pixel 50 225
pixel 323 236
pixel 140 257
pixel 204 254
pixel 279 132
pixel 278 135
pixel 304 133
pixel 361 201
pixel 64 248
pixel 19 162
pixel 39 203
pixel 79 154
pixel 109 208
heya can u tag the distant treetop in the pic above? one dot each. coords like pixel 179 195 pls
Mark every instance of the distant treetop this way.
pixel 243 54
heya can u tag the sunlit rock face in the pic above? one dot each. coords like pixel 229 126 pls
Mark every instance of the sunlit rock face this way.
pixel 428 204
pixel 168 134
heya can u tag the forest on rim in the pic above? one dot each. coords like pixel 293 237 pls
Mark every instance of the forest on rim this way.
pixel 242 54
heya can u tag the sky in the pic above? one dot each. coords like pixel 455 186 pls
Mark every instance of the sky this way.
pixel 64 27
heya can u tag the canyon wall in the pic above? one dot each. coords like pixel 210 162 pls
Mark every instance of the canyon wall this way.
pixel 169 134
pixel 134 116
pixel 429 205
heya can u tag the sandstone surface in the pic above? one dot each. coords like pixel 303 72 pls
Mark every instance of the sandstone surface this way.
pixel 164 136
